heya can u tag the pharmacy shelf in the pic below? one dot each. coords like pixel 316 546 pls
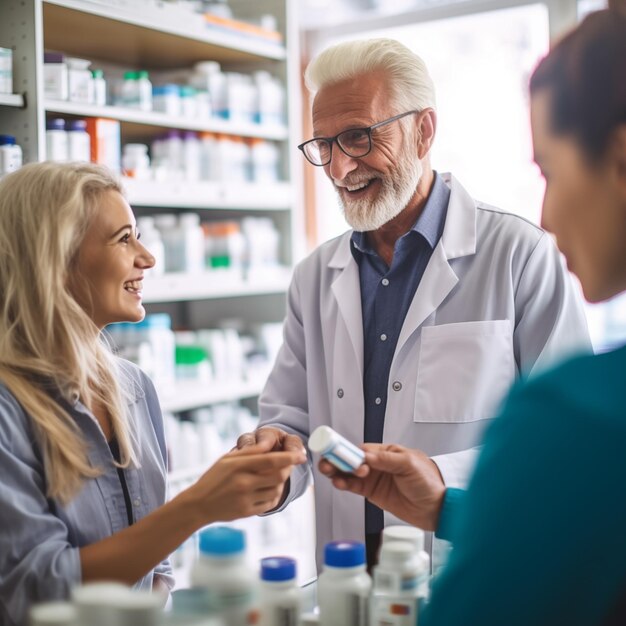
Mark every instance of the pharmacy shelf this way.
pixel 145 33
pixel 175 286
pixel 12 100
pixel 209 195
pixel 189 395
pixel 151 121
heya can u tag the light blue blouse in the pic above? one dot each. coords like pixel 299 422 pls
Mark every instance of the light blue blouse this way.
pixel 40 537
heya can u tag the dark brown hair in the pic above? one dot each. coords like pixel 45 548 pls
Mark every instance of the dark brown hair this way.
pixel 585 74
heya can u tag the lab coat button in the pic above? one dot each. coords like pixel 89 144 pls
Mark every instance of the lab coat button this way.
pixel 340 393
pixel 397 385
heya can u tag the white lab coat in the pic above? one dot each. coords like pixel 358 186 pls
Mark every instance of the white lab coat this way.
pixel 495 301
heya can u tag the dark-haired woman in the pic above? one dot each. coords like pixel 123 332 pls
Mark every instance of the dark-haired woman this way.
pixel 540 536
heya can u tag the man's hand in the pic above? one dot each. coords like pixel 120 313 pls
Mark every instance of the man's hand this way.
pixel 269 439
pixel 402 481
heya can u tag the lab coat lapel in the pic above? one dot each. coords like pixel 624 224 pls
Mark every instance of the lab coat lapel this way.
pixel 458 239
pixel 347 292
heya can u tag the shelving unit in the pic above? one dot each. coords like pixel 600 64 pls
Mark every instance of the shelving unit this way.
pixel 188 395
pixel 11 100
pixel 176 287
pixel 209 196
pixel 152 35
pixel 156 36
pixel 153 121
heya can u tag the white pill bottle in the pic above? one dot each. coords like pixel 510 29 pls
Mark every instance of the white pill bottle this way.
pixel 336 449
pixel 421 558
pixel 344 586
pixel 399 580
pixel 222 569
pixel 280 601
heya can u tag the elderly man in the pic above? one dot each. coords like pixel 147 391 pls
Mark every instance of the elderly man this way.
pixel 411 327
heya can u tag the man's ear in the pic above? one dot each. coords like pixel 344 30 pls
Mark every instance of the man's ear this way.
pixel 426 122
pixel 617 158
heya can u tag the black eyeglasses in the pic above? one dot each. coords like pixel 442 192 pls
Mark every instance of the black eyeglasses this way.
pixel 354 142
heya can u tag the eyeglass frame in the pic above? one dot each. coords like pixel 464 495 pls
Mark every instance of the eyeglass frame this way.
pixel 331 140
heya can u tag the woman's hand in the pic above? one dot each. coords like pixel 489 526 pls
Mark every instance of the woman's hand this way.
pixel 242 483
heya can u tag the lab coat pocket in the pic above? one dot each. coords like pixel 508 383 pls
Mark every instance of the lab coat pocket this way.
pixel 464 371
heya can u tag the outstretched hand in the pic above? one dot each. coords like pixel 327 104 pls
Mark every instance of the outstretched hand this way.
pixel 268 439
pixel 243 483
pixel 400 480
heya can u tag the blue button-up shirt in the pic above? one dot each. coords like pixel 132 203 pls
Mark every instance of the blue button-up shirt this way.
pixel 386 294
pixel 40 538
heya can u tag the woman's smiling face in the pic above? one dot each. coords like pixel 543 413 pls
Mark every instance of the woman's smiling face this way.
pixel 107 279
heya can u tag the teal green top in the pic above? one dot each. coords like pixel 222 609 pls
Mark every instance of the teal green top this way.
pixel 540 536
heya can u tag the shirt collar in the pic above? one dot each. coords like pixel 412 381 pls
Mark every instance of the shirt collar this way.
pixel 429 224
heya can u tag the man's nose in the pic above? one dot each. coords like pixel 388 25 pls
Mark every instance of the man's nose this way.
pixel 340 165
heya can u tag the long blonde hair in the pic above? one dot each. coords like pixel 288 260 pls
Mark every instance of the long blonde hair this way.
pixel 47 341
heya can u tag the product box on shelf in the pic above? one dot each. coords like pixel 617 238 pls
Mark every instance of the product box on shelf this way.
pixel 105 139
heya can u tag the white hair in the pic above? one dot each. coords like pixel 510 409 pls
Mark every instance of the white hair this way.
pixel 408 76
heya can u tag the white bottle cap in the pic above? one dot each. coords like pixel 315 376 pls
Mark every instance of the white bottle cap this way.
pixel 410 534
pixel 53 614
pixel 336 449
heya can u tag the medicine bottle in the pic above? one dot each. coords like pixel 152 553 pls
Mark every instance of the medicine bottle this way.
pixel 57 148
pixel 78 141
pixel 173 243
pixel 415 537
pixel 192 607
pixel 192 236
pixel 144 90
pixel 10 155
pixel 152 240
pixel 96 602
pixel 166 99
pixel 99 88
pixel 396 591
pixel 279 595
pixel 135 161
pixel 221 568
pixel 343 587
pixel 130 91
pixel 53 614
pixel 336 449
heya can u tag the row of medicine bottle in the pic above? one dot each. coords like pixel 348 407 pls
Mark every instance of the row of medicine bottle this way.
pixel 227 592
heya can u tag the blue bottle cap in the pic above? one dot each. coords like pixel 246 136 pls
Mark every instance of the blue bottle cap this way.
pixel 78 125
pixel 278 568
pixel 7 140
pixel 344 554
pixel 222 541
pixel 56 123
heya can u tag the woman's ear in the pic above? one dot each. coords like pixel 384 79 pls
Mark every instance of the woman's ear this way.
pixel 426 126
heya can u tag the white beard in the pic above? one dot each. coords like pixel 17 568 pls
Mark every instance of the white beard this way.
pixel 397 188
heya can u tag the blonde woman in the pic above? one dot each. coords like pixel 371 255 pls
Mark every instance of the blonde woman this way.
pixel 82 452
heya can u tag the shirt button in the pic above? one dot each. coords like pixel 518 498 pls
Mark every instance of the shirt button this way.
pixel 383 337
pixel 378 401
pixel 137 502
pixel 340 393
pixel 397 385
pixel 385 282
